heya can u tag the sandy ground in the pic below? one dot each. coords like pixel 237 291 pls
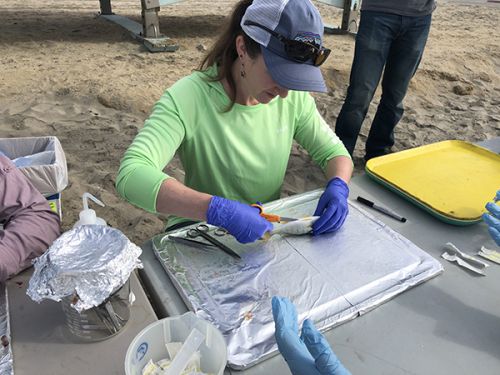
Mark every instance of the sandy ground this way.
pixel 66 72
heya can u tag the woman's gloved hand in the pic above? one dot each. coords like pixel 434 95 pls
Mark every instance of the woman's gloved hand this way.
pixel 332 207
pixel 493 219
pixel 240 220
pixel 309 354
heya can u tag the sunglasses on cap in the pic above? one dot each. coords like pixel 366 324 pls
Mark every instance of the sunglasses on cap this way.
pixel 295 49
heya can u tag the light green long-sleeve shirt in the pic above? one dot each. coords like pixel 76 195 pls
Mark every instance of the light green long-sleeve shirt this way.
pixel 241 154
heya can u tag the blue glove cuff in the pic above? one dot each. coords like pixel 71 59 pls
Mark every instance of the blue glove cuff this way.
pixel 218 211
pixel 340 184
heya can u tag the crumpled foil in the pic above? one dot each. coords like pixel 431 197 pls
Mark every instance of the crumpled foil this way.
pixel 91 261
pixel 6 360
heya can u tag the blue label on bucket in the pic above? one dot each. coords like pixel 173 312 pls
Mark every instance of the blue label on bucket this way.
pixel 141 351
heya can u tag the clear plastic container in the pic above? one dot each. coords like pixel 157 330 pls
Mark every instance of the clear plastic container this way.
pixel 100 322
pixel 150 343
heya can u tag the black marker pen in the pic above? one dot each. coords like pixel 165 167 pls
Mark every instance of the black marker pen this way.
pixel 381 209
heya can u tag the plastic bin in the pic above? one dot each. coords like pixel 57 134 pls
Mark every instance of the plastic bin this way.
pixel 48 178
pixel 150 344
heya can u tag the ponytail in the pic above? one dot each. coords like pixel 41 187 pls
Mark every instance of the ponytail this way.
pixel 223 53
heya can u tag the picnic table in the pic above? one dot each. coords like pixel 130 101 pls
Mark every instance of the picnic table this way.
pixel 148 32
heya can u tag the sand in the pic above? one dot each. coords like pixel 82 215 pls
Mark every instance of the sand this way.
pixel 69 73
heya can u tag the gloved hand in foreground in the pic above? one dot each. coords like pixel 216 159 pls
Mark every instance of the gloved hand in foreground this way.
pixel 493 219
pixel 309 354
pixel 332 207
pixel 240 220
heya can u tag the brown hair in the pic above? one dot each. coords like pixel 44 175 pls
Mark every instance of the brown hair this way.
pixel 223 52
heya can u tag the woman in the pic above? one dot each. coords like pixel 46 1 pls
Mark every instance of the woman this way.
pixel 233 122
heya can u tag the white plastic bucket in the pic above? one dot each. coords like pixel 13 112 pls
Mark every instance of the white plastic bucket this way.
pixel 150 343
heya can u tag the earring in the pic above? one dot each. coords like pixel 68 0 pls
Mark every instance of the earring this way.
pixel 242 71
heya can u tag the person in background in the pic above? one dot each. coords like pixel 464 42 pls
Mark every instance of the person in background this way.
pixel 29 225
pixel 232 124
pixel 492 218
pixel 391 39
pixel 308 353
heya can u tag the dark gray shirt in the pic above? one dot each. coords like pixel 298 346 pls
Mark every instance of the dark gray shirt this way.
pixel 401 7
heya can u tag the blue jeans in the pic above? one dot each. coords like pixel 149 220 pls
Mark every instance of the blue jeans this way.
pixel 383 39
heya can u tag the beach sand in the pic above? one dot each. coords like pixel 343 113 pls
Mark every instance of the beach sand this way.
pixel 68 73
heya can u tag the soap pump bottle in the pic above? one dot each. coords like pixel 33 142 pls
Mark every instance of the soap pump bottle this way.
pixel 88 215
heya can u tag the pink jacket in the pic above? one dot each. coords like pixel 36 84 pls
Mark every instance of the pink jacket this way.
pixel 30 226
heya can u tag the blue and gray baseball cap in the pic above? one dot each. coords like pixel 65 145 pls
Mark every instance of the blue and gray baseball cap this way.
pixel 294 20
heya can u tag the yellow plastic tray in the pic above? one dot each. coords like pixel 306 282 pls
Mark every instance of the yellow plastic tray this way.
pixel 453 180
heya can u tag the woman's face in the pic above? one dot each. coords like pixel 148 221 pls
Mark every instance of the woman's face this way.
pixel 259 83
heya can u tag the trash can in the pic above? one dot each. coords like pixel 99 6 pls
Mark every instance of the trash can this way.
pixel 42 161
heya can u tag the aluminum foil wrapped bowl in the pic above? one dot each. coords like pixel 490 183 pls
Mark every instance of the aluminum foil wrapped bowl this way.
pixel 88 268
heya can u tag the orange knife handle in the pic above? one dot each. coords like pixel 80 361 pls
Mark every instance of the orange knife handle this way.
pixel 269 217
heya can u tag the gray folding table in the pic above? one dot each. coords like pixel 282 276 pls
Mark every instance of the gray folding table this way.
pixel 448 325
pixel 42 344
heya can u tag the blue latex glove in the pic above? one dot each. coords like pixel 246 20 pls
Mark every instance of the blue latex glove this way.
pixel 241 220
pixel 493 219
pixel 309 354
pixel 332 207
